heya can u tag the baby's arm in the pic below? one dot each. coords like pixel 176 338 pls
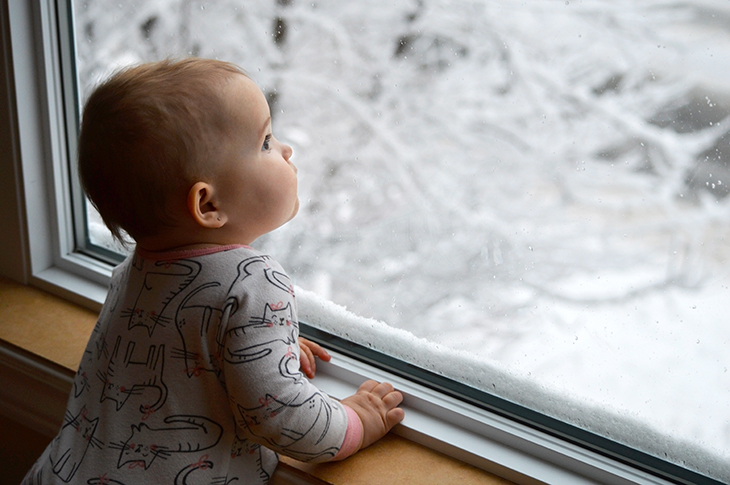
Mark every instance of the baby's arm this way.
pixel 273 403
pixel 376 404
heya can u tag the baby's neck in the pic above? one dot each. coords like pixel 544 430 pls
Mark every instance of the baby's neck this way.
pixel 178 239
pixel 190 236
pixel 184 247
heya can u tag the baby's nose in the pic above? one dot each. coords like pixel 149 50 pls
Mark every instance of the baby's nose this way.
pixel 287 152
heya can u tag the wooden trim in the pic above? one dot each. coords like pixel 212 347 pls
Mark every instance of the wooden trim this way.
pixel 286 474
pixel 34 391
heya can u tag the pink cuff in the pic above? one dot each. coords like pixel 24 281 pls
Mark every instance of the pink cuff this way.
pixel 353 435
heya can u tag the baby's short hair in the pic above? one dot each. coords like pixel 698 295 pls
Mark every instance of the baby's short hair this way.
pixel 146 134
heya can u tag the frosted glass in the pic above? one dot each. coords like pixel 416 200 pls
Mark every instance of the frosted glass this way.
pixel 538 184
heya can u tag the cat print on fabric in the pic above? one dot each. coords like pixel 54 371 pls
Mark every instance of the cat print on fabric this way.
pixel 201 472
pixel 186 434
pixel 194 320
pixel 242 446
pixel 289 366
pixel 72 444
pixel 276 314
pixel 149 309
pixel 252 342
pixel 103 480
pixel 246 448
pixel 271 410
pixel 239 344
pixel 81 380
pixel 148 375
pixel 252 267
pixel 280 280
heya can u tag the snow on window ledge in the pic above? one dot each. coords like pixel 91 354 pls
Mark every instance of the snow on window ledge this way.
pixel 502 382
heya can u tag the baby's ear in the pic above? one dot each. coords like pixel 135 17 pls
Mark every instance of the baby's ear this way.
pixel 202 205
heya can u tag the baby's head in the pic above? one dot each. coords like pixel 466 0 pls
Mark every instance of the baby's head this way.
pixel 180 153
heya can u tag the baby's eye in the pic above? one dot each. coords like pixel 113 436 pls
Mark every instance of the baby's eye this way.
pixel 267 143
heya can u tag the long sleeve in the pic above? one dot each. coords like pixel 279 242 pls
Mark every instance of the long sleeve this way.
pixel 272 401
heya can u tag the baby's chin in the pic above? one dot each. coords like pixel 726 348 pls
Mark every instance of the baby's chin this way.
pixel 295 211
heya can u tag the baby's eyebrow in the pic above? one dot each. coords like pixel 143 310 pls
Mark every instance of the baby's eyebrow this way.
pixel 265 128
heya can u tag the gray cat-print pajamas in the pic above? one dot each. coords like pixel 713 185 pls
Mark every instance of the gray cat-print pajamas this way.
pixel 192 374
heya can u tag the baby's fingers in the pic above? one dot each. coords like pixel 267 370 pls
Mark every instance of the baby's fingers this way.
pixel 394 414
pixel 378 389
pixel 315 349
pixel 306 362
pixel 368 386
pixel 393 417
pixel 393 399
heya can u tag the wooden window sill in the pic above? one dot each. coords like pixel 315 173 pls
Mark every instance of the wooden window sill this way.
pixel 53 331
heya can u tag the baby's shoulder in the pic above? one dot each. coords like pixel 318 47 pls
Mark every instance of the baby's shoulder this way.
pixel 244 271
pixel 243 260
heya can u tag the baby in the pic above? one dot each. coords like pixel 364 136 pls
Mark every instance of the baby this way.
pixel 195 368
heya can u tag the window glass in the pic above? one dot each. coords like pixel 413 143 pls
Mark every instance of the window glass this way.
pixel 539 184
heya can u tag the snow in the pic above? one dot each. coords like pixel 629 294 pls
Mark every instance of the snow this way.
pixel 530 191
pixel 500 378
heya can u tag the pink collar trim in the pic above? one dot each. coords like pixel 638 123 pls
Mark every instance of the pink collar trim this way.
pixel 186 253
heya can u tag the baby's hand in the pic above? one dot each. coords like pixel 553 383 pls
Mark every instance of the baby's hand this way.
pixel 377 406
pixel 308 351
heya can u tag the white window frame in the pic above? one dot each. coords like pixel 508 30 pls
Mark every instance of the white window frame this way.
pixel 51 261
pixel 39 250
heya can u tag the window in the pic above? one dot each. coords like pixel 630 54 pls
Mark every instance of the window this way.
pixel 537 191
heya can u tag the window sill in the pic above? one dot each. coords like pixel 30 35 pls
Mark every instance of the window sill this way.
pixel 38 374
